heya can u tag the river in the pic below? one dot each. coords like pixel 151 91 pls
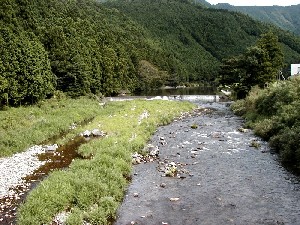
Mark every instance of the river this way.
pixel 224 175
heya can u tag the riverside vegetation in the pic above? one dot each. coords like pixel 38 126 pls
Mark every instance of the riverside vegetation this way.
pixel 273 113
pixel 53 48
pixel 23 127
pixel 92 188
pixel 87 47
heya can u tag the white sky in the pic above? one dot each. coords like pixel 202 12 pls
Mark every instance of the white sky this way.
pixel 256 2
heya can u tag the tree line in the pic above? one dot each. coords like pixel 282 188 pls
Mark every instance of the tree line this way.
pixel 84 47
pixel 260 65
pixel 200 38
pixel 78 47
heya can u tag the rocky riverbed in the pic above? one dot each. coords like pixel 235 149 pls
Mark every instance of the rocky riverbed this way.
pixel 204 168
pixel 210 170
pixel 13 170
pixel 22 171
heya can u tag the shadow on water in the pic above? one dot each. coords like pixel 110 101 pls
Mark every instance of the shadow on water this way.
pixel 58 159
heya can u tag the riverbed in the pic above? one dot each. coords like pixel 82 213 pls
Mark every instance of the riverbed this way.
pixel 220 173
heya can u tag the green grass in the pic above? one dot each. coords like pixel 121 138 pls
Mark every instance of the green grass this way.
pixel 23 127
pixel 92 189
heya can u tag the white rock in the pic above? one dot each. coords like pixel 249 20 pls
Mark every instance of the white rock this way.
pixel 86 133
pixel 51 147
pixel 97 132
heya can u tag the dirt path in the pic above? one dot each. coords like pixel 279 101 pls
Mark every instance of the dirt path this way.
pixel 220 178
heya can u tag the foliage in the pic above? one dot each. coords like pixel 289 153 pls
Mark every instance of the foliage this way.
pixel 85 47
pixel 92 189
pixel 197 37
pixel 273 113
pixel 81 46
pixel 150 76
pixel 259 65
pixel 25 73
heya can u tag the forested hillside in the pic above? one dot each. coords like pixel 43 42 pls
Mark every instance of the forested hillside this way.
pixel 197 37
pixel 285 17
pixel 78 47
pixel 85 47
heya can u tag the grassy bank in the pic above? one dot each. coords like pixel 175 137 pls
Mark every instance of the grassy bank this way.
pixel 273 113
pixel 92 189
pixel 23 127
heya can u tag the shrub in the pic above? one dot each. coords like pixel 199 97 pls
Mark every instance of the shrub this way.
pixel 273 113
pixel 287 144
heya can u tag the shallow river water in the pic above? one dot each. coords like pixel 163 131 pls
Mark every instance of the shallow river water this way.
pixel 221 178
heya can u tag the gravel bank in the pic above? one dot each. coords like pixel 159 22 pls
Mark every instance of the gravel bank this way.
pixel 220 174
pixel 14 168
pixel 13 185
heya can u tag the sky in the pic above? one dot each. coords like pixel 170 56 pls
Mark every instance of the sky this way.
pixel 256 2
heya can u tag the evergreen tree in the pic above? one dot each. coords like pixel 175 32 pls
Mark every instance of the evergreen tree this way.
pixel 259 65
pixel 25 73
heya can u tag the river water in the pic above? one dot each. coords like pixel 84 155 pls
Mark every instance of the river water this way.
pixel 221 178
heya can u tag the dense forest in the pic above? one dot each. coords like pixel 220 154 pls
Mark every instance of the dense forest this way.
pixel 78 47
pixel 199 37
pixel 84 47
pixel 285 17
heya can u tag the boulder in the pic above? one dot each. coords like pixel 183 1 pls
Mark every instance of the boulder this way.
pixel 86 133
pixel 97 132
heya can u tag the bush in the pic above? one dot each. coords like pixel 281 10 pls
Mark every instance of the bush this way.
pixel 241 107
pixel 287 145
pixel 268 127
pixel 273 113
pixel 275 97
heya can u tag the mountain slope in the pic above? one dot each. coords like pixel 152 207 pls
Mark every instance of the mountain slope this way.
pixel 84 47
pixel 87 49
pixel 285 17
pixel 199 37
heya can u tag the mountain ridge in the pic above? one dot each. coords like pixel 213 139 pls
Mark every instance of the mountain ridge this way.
pixel 285 17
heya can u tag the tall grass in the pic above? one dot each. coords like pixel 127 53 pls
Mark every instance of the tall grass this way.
pixel 23 127
pixel 274 115
pixel 92 189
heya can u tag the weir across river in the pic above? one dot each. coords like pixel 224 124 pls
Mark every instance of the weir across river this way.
pixel 192 98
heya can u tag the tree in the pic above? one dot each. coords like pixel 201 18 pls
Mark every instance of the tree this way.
pixel 259 65
pixel 25 73
pixel 269 42
pixel 150 76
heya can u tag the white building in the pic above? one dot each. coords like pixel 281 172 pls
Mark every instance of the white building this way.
pixel 295 69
